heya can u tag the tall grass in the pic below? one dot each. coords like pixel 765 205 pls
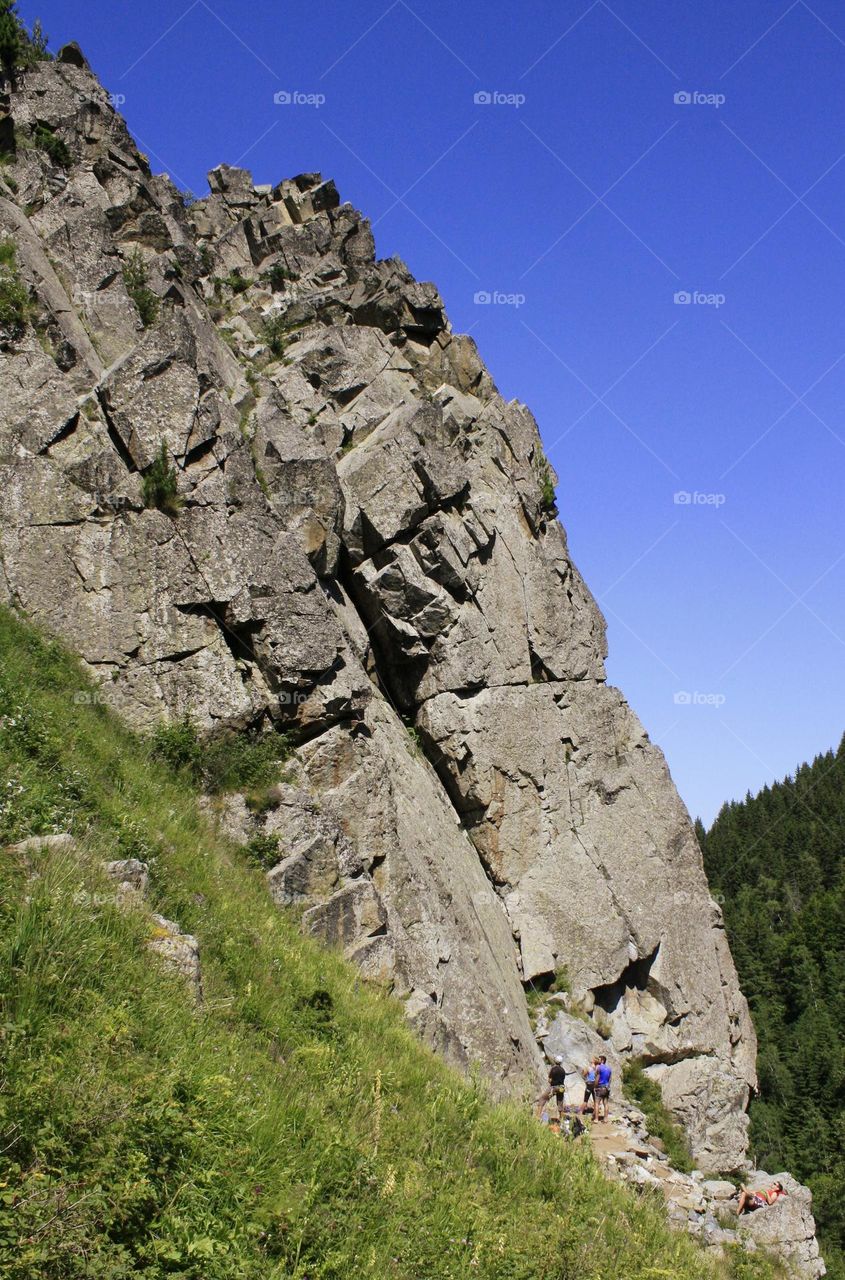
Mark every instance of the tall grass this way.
pixel 290 1126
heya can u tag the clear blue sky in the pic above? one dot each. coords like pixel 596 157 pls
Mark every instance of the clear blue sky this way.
pixel 598 198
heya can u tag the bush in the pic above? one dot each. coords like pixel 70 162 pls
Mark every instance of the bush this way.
pixel 136 277
pixel 206 259
pixel 45 139
pixel 548 498
pixel 160 485
pixel 645 1093
pixel 278 276
pixel 236 282
pixel 275 331
pixel 224 762
pixel 539 989
pixel 263 850
pixel 15 305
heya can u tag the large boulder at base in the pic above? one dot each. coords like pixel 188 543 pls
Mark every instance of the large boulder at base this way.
pixel 787 1228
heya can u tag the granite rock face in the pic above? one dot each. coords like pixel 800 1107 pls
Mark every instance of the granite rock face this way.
pixel 786 1228
pixel 365 555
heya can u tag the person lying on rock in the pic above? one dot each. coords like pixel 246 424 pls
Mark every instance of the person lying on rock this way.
pixel 602 1091
pixel 751 1200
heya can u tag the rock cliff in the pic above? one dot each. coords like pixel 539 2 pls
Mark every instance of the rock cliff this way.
pixel 362 552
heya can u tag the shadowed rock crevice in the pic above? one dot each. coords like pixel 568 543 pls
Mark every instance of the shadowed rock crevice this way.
pixel 239 637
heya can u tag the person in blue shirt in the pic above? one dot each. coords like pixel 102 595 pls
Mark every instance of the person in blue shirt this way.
pixel 602 1093
pixel 589 1074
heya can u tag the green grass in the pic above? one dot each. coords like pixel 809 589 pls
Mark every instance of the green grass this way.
pixel 645 1093
pixel 290 1126
pixel 15 305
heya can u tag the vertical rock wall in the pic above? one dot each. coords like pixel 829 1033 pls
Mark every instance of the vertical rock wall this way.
pixel 366 555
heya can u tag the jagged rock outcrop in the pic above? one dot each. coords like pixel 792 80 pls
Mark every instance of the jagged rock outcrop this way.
pixel 365 555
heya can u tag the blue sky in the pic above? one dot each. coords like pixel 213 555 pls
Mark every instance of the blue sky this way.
pixel 583 197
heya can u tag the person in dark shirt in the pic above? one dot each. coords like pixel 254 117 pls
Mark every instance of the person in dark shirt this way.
pixel 557 1082
pixel 602 1095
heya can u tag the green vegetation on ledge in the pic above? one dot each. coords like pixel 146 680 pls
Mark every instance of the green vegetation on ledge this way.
pixel 15 306
pixel 290 1126
pixel 137 279
pixel 645 1093
pixel 160 484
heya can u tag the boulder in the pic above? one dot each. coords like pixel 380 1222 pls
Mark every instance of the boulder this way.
pixel 787 1227
pixel 180 952
pixel 131 876
pixel 716 1189
pixel 71 55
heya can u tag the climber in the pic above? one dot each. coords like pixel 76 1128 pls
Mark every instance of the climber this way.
pixel 556 1087
pixel 602 1089
pixel 589 1074
pixel 751 1200
pixel 557 1082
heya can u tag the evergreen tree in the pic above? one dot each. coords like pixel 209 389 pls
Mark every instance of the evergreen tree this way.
pixel 777 862
pixel 12 37
pixel 19 48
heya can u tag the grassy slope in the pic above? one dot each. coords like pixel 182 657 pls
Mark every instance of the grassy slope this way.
pixel 292 1126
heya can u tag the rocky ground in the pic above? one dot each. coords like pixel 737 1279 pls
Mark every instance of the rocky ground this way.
pixel 706 1207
